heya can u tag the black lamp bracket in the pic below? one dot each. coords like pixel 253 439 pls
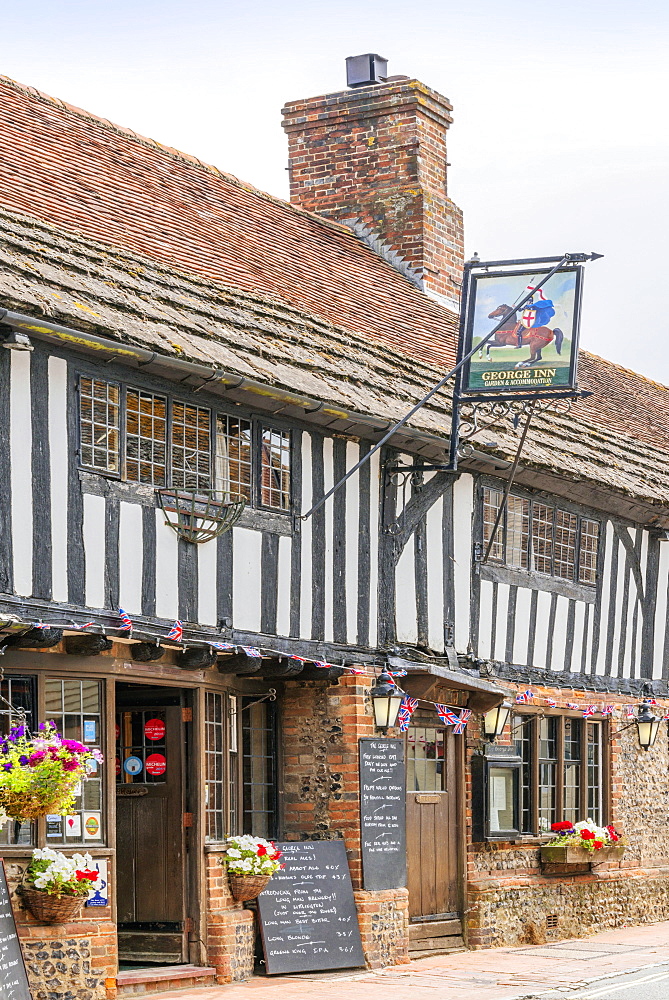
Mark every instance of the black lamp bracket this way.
pixel 623 730
pixel 270 696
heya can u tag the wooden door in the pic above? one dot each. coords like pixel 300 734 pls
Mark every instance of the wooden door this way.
pixel 150 835
pixel 432 847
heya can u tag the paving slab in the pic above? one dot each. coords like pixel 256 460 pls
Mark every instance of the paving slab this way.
pixel 542 970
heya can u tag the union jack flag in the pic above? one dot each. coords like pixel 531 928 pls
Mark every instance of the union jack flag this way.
pixel 407 708
pixel 607 710
pixel 628 711
pixel 397 673
pixel 126 621
pixel 176 632
pixel 79 627
pixel 459 727
pixel 222 645
pixel 524 696
pixel 651 701
pixel 573 706
pixel 551 702
pixel 589 710
pixel 447 717
pixel 321 664
pixel 251 650
pixel 302 659
pixel 353 670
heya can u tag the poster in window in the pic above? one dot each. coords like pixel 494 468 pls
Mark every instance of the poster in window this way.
pixel 536 348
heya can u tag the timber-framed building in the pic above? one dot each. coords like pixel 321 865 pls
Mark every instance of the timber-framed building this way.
pixel 190 333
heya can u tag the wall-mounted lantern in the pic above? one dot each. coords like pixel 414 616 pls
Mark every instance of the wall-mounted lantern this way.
pixel 386 699
pixel 647 724
pixel 495 720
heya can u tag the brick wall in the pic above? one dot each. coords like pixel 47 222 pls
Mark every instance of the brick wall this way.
pixel 321 727
pixel 378 154
pixel 72 961
pixel 508 896
pixel 230 928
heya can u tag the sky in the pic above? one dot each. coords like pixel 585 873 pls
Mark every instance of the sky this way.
pixel 559 139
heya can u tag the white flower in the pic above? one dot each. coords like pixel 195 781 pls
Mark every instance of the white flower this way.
pixel 234 853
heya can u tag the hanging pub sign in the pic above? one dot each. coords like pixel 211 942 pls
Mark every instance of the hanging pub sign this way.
pixel 535 349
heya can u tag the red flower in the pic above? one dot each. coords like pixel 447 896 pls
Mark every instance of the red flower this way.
pixel 87 873
pixel 599 844
pixel 262 850
pixel 613 836
pixel 276 855
pixel 282 866
pixel 562 825
pixel 587 835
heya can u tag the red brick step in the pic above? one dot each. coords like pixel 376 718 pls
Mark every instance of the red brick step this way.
pixel 140 982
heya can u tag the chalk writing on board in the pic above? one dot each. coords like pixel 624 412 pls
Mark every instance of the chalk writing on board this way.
pixel 382 813
pixel 307 912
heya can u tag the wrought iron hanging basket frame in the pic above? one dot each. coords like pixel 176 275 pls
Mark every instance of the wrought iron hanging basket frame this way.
pixel 200 516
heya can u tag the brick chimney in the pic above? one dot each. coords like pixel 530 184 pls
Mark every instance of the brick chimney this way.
pixel 374 157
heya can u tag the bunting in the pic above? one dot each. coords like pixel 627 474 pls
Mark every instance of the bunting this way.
pixel 448 717
pixel 176 632
pixel 573 706
pixel 589 710
pixel 461 724
pixel 607 710
pixel 407 708
pixel 126 621
pixel 524 697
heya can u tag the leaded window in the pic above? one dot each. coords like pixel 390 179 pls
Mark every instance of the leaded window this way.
pixel 275 469
pixel 148 438
pixel 233 455
pixel 191 447
pixel 75 706
pixel 259 748
pixel 214 786
pixel 99 423
pixel 19 692
pixel 533 534
pixel 562 775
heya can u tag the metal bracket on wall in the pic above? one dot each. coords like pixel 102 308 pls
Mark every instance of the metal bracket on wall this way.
pixel 270 696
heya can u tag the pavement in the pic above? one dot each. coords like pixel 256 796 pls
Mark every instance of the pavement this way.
pixel 597 967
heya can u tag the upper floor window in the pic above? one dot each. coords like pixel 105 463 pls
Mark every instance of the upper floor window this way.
pixel 149 438
pixel 536 535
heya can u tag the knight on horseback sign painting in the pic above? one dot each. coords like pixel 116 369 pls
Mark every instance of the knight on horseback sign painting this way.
pixel 535 347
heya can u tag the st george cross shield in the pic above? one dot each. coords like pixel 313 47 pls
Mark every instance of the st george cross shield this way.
pixel 528 317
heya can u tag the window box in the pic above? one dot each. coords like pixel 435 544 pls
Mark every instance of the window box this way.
pixel 558 855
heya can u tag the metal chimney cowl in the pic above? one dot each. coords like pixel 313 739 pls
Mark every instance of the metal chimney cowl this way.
pixel 364 70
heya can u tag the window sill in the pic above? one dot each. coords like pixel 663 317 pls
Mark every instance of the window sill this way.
pixel 532 580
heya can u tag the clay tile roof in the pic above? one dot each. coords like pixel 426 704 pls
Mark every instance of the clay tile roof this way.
pixel 84 175
pixel 72 169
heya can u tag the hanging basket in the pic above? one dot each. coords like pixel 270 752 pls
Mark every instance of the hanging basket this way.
pixel 200 517
pixel 24 806
pixel 50 909
pixel 245 887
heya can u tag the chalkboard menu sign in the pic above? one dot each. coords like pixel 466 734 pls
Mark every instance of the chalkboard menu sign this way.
pixel 382 813
pixel 307 912
pixel 13 978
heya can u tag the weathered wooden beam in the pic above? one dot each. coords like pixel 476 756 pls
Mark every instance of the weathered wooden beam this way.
pixel 35 638
pixel 146 652
pixel 87 645
pixel 241 663
pixel 281 666
pixel 197 658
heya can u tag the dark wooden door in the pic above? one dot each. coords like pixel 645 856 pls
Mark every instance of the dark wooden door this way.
pixel 150 835
pixel 432 846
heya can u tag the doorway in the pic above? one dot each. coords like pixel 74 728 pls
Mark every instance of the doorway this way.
pixel 151 829
pixel 432 837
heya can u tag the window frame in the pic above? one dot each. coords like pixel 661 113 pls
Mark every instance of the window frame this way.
pixel 531 723
pixel 556 505
pixel 259 424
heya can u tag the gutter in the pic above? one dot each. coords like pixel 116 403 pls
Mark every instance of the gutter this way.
pixel 210 377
